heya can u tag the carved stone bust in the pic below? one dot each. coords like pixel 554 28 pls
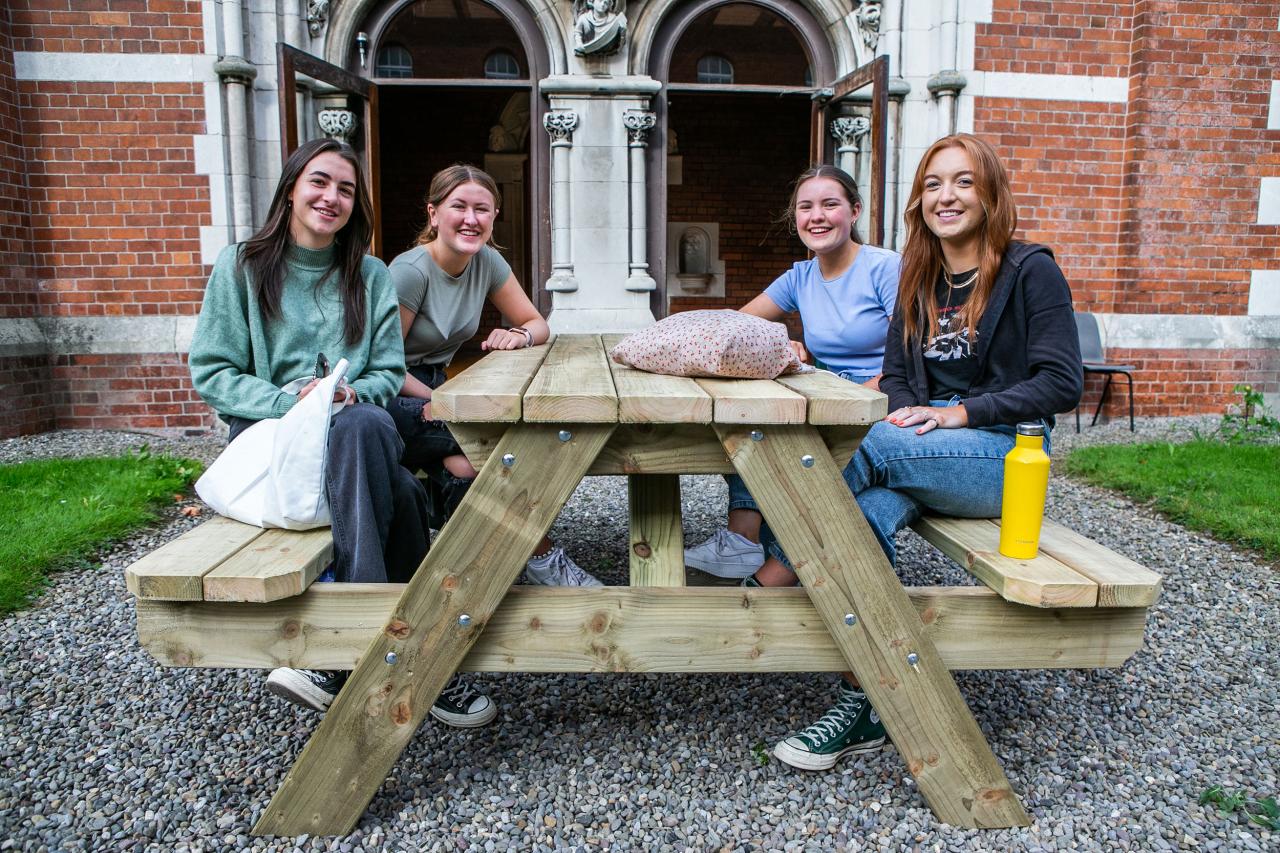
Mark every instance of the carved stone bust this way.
pixel 599 26
pixel 868 16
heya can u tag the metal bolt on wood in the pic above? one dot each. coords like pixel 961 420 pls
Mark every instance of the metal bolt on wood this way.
pixel 464 620
pixel 565 435
pixel 392 657
pixel 850 619
pixel 508 459
pixel 914 660
pixel 757 435
pixel 806 461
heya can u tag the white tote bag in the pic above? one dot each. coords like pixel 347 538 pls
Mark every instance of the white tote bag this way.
pixel 272 475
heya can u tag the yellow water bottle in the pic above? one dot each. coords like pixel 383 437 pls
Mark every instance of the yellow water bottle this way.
pixel 1026 480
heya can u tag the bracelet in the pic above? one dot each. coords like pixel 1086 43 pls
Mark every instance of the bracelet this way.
pixel 528 335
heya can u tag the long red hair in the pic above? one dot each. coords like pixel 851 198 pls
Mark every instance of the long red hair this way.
pixel 922 258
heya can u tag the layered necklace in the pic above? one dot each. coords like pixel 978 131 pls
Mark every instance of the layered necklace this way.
pixel 953 285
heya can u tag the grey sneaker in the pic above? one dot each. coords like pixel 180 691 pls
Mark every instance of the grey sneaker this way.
pixel 463 706
pixel 727 555
pixel 554 568
pixel 851 726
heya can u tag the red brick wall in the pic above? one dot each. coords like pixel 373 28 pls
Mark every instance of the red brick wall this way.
pixel 1056 38
pixel 143 391
pixel 107 26
pixel 1183 382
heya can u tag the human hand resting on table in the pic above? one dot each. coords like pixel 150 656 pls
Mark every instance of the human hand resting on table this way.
pixel 930 417
pixel 343 394
pixel 800 351
pixel 516 338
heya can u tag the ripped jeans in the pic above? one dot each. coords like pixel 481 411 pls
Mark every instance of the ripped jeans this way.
pixel 426 445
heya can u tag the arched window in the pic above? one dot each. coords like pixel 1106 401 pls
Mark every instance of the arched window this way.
pixel 501 65
pixel 714 69
pixel 393 61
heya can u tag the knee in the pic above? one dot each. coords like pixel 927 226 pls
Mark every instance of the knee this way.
pixel 363 418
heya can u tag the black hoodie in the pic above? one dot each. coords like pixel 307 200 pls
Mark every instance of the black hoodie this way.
pixel 1028 350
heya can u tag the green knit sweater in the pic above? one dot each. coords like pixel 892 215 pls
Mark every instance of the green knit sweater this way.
pixel 239 362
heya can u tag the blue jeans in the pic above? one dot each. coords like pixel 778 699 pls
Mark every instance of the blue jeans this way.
pixel 896 476
pixel 426 445
pixel 739 496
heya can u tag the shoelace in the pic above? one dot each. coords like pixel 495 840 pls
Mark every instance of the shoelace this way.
pixel 459 692
pixel 568 571
pixel 834 721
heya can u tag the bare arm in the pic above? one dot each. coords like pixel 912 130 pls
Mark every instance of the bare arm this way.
pixel 763 306
pixel 511 300
pixel 412 387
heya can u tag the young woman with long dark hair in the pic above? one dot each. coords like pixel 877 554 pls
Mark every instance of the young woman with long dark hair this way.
pixel 301 286
pixel 845 295
pixel 982 339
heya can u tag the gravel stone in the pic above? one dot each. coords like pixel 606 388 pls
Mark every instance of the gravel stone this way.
pixel 101 749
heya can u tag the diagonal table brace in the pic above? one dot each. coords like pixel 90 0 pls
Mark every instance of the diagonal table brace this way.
pixel 469 569
pixel 809 507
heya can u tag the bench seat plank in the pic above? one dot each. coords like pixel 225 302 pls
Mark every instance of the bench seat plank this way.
pixel 278 564
pixel 1121 581
pixel 655 398
pixel 833 400
pixel 491 390
pixel 175 571
pixel 1039 582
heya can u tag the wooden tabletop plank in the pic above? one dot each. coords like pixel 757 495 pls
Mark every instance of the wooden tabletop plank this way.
pixel 491 390
pixel 1039 582
pixel 175 570
pixel 834 401
pixel 1121 581
pixel 754 401
pixel 277 564
pixel 574 384
pixel 645 397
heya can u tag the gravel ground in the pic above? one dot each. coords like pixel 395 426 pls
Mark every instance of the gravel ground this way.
pixel 101 749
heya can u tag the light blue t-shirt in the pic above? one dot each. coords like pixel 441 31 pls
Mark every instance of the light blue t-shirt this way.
pixel 845 319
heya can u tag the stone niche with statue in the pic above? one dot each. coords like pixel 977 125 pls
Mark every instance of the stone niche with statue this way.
pixel 694 267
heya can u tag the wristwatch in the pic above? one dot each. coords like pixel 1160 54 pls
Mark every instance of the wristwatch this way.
pixel 528 335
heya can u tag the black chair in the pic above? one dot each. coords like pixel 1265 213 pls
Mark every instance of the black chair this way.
pixel 1095 362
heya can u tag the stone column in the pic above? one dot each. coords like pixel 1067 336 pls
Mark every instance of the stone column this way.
pixel 237 75
pixel 947 83
pixel 561 124
pixel 848 131
pixel 638 124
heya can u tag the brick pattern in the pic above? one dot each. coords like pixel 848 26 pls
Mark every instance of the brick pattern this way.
pixel 108 26
pixel 1056 38
pixel 17 284
pixel 144 391
pixel 115 203
pixel 28 389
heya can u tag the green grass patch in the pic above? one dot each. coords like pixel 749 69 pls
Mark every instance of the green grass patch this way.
pixel 54 513
pixel 1231 491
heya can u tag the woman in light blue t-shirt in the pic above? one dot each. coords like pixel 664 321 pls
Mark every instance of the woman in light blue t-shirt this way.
pixel 845 296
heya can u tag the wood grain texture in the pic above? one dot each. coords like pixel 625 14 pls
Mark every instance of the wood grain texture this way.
pixel 1039 582
pixel 1121 581
pixel 277 564
pixel 844 571
pixel 574 384
pixel 175 571
pixel 832 400
pixel 469 569
pixel 754 401
pixel 630 629
pixel 654 398
pixel 656 539
pixel 491 390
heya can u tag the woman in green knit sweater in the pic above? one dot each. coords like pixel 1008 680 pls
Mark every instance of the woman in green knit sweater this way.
pixel 302 286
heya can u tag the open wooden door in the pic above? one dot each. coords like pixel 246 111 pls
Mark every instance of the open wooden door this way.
pixel 876 75
pixel 292 62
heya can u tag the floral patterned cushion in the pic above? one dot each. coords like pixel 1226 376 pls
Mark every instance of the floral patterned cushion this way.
pixel 711 343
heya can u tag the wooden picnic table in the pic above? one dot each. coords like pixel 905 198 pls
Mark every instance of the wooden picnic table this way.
pixel 534 421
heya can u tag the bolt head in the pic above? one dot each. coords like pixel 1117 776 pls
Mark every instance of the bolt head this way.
pixel 757 435
pixel 508 459
pixel 850 619
pixel 806 461
pixel 464 620
pixel 392 657
pixel 565 435
pixel 913 658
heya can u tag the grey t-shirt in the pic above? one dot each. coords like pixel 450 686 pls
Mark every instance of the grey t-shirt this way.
pixel 447 308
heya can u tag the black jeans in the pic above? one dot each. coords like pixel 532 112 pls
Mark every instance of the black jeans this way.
pixel 426 444
pixel 379 509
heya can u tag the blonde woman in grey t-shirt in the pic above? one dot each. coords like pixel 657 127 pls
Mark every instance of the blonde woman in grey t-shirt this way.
pixel 443 283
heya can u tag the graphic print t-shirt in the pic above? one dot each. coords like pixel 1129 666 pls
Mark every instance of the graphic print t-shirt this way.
pixel 949 360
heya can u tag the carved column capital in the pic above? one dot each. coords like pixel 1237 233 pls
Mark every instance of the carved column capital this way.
pixel 560 124
pixel 317 16
pixel 235 69
pixel 638 124
pixel 847 130
pixel 337 123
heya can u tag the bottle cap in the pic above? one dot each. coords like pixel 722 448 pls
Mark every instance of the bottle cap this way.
pixel 1031 428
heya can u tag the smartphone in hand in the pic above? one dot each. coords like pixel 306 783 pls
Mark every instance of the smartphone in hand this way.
pixel 322 367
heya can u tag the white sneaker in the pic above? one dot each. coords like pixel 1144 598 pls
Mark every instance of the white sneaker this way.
pixel 554 568
pixel 727 555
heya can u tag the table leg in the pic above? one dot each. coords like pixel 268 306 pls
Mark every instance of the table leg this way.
pixel 657 541
pixel 810 509
pixel 437 619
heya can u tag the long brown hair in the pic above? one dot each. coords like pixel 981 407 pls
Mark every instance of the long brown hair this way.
pixel 263 254
pixel 922 259
pixel 442 186
pixel 841 177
